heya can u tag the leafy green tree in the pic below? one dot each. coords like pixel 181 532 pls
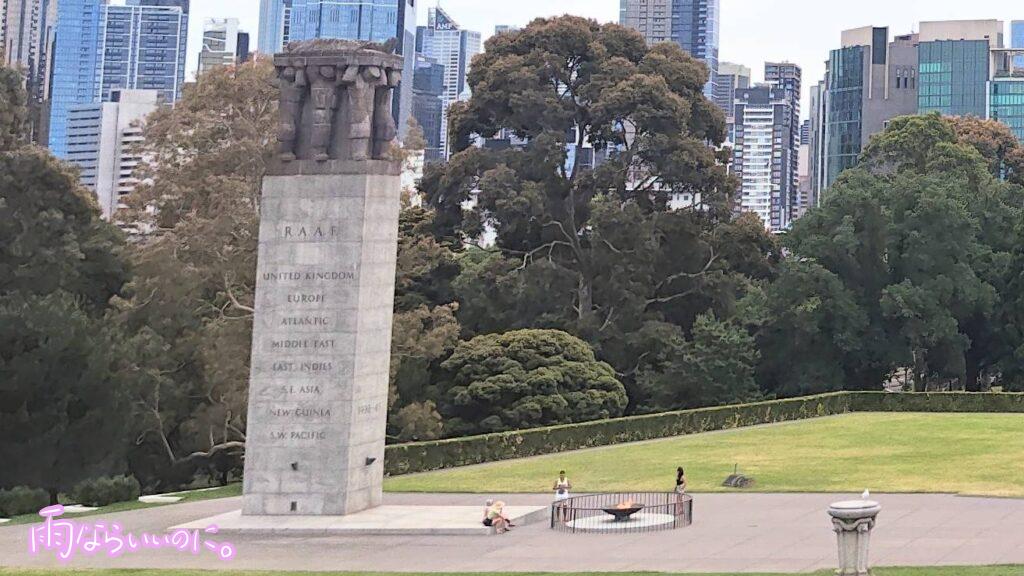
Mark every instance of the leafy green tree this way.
pixel 716 367
pixel 13 109
pixel 417 422
pixel 191 303
pixel 816 335
pixel 597 251
pixel 64 404
pixel 51 234
pixel 919 238
pixel 525 379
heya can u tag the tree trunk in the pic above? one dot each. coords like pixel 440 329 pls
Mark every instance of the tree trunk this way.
pixel 586 297
pixel 53 496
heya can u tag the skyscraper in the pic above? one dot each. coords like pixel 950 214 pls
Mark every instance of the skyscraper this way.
pixel 764 158
pixel 371 20
pixel 275 25
pixel 443 41
pixel 222 44
pixel 103 48
pixel 76 60
pixel 144 46
pixel 693 24
pixel 954 66
pixel 869 81
pixel 102 139
pixel 789 77
pixel 731 77
pixel 26 41
pixel 428 105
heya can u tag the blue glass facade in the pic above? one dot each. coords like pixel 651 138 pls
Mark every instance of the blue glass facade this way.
pixel 371 20
pixel 1007 104
pixel 275 16
pixel 74 65
pixel 953 76
pixel 101 48
pixel 845 110
pixel 696 27
pixel 1017 41
pixel 144 45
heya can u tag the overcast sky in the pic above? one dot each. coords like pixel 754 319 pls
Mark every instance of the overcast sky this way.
pixel 753 31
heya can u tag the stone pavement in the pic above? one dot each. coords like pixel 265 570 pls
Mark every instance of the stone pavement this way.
pixel 731 533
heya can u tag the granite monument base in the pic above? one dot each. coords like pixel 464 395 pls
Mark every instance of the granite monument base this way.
pixel 384 520
pixel 321 339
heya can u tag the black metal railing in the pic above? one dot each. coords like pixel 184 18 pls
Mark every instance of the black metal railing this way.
pixel 623 512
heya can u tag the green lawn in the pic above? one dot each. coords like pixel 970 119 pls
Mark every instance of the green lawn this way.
pixel 950 571
pixel 977 454
pixel 191 496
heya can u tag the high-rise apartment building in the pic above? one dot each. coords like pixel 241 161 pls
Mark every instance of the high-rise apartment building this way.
pixel 143 47
pixel 764 158
pixel 731 77
pixel 26 41
pixel 445 42
pixel 102 48
pixel 789 77
pixel 275 25
pixel 223 44
pixel 692 24
pixel 103 140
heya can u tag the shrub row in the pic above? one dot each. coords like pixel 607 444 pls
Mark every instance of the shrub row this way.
pixel 22 500
pixel 106 491
pixel 425 456
pixel 936 402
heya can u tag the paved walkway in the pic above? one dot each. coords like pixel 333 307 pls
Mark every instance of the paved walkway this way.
pixel 731 533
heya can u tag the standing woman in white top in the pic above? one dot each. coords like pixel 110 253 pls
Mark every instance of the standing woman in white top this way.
pixel 561 488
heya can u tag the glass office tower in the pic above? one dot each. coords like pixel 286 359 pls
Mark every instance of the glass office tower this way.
pixel 74 65
pixel 954 77
pixel 844 115
pixel 371 20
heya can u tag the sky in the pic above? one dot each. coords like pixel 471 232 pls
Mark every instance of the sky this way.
pixel 752 31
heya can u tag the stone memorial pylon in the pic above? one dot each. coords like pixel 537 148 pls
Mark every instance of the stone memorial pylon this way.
pixel 325 286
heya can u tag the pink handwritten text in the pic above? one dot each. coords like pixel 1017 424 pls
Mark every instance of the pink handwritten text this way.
pixel 66 538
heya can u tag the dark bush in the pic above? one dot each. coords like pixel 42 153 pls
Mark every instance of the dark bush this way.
pixel 105 491
pixel 22 500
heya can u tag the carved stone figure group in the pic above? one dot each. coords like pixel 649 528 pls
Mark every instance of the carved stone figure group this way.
pixel 313 89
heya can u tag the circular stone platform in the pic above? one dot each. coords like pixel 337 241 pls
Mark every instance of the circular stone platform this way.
pixel 640 520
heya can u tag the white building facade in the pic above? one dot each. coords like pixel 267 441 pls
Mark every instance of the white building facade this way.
pixel 104 140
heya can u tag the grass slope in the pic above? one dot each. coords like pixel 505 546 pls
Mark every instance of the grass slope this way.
pixel 978 454
pixel 946 571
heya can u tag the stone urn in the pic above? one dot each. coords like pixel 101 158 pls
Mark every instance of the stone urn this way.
pixel 853 521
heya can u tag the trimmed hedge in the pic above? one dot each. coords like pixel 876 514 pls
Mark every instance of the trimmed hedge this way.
pixel 937 402
pixel 424 456
pixel 451 453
